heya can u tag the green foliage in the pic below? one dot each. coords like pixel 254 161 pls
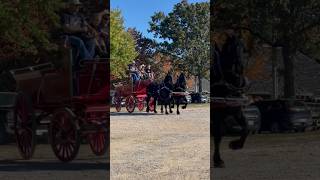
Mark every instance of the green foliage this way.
pixel 291 24
pixel 145 47
pixel 122 45
pixel 278 23
pixel 185 36
pixel 25 26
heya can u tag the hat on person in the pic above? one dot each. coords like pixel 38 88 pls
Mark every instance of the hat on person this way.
pixel 74 2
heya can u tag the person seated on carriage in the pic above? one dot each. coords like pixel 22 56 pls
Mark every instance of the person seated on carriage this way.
pixel 134 72
pixel 149 72
pixel 142 72
pixel 100 23
pixel 77 32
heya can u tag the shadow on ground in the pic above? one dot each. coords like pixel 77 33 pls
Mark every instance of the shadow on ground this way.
pixel 18 165
pixel 134 114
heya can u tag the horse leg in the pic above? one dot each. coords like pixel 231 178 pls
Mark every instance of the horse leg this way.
pixel 178 104
pixel 170 108
pixel 185 104
pixel 217 161
pixel 216 133
pixel 147 101
pixel 172 102
pixel 155 104
pixel 241 120
pixel 161 107
pixel 165 106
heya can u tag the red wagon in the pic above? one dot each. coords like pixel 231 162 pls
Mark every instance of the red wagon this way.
pixel 45 96
pixel 134 95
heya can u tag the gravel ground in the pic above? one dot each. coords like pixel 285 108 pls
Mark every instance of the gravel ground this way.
pixel 155 146
pixel 45 166
pixel 273 157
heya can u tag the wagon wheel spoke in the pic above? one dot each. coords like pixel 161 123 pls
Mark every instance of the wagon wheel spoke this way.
pixel 98 142
pixel 64 136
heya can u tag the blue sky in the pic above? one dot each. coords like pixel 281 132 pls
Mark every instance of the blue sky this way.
pixel 137 13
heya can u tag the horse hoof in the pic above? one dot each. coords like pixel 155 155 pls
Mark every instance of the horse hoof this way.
pixel 155 111
pixel 167 113
pixel 236 144
pixel 171 111
pixel 219 164
pixel 183 107
pixel 178 113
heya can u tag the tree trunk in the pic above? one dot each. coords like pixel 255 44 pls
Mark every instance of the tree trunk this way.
pixel 289 79
pixel 200 83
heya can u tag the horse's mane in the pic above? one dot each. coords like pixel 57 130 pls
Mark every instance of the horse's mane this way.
pixel 228 64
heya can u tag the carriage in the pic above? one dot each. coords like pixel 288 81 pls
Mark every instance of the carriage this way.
pixel 73 105
pixel 134 95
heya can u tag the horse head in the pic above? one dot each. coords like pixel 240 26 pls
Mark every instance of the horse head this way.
pixel 168 80
pixel 181 81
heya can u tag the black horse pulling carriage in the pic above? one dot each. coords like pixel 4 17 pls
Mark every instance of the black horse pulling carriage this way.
pixel 227 95
pixel 168 94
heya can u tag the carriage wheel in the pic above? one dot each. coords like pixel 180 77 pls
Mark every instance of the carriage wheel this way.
pixel 151 104
pixel 130 103
pixel 64 135
pixel 99 142
pixel 118 101
pixel 140 104
pixel 24 126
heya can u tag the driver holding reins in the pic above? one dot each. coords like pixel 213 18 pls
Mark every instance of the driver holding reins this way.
pixel 77 32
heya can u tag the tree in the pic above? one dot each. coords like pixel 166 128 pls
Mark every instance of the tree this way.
pixel 122 46
pixel 25 27
pixel 145 47
pixel 292 25
pixel 147 53
pixel 185 37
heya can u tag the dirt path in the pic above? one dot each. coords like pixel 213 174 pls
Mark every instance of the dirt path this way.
pixel 273 156
pixel 149 146
pixel 45 166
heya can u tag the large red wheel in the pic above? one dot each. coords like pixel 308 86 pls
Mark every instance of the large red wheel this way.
pixel 151 104
pixel 64 135
pixel 140 104
pixel 99 142
pixel 118 100
pixel 130 103
pixel 24 126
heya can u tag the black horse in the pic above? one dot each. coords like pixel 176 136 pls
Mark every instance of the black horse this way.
pixel 228 81
pixel 180 86
pixel 165 91
pixel 152 91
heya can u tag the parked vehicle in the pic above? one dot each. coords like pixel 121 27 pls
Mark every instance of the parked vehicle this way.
pixel 3 128
pixel 253 118
pixel 189 99
pixel 314 106
pixel 284 115
pixel 199 98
